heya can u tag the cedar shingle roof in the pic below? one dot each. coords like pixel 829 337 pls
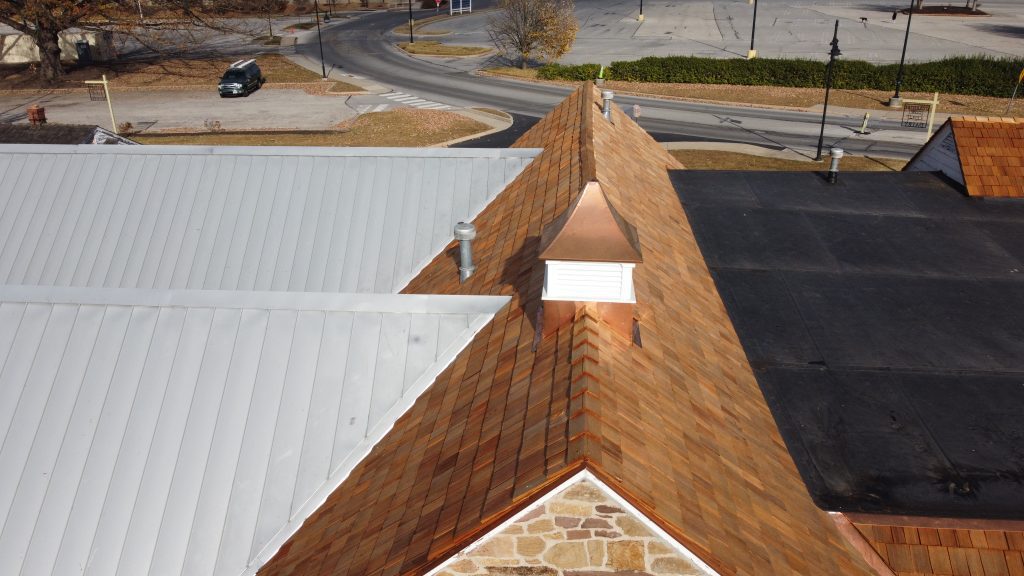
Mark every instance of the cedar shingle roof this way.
pixel 917 550
pixel 991 154
pixel 678 426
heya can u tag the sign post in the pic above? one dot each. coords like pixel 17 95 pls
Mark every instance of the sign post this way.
pixel 102 92
pixel 920 114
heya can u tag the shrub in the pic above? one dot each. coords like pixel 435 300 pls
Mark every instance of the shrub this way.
pixel 561 72
pixel 977 75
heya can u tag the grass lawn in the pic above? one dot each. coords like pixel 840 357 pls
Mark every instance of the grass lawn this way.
pixel 720 160
pixel 434 48
pixel 404 127
pixel 780 96
pixel 167 72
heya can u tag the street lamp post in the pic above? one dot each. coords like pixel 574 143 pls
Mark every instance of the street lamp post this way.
pixel 895 101
pixel 641 17
pixel 753 28
pixel 828 85
pixel 411 41
pixel 320 39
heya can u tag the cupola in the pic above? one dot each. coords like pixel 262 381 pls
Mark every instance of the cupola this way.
pixel 589 254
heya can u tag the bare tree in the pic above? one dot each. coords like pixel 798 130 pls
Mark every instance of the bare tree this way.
pixel 525 28
pixel 44 20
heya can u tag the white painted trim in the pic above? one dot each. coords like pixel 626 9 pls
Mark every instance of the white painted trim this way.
pixel 583 475
pixel 233 299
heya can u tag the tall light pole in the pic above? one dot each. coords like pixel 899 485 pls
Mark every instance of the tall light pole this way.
pixel 895 101
pixel 640 18
pixel 320 39
pixel 828 84
pixel 411 41
pixel 753 28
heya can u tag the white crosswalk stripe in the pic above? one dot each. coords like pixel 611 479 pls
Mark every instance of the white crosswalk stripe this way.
pixel 410 100
pixel 365 108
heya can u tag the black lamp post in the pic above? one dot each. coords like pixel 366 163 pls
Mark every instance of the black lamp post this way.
pixel 411 41
pixel 753 28
pixel 641 18
pixel 319 38
pixel 895 100
pixel 828 85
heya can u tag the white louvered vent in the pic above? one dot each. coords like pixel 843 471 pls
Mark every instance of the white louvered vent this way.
pixel 589 281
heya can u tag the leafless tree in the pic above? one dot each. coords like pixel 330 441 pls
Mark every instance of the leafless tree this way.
pixel 525 28
pixel 44 20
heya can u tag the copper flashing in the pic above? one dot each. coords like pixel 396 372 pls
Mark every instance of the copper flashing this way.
pixel 591 230
pixel 935 522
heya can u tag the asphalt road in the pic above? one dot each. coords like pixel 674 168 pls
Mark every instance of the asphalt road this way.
pixel 364 47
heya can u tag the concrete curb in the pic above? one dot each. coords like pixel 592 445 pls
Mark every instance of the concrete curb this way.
pixel 496 124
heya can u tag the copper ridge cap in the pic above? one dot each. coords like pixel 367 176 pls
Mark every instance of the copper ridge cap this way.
pixel 591 230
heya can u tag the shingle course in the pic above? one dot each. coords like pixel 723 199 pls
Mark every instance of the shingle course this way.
pixel 990 152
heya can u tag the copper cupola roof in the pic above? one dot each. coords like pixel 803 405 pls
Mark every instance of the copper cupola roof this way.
pixel 591 230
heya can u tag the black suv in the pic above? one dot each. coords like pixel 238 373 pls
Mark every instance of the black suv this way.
pixel 242 78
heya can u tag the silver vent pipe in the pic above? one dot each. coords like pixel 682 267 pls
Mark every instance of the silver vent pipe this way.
pixel 833 169
pixel 465 233
pixel 607 96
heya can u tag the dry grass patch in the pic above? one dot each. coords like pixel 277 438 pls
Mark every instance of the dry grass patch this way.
pixel 782 96
pixel 435 48
pixel 405 127
pixel 721 160
pixel 807 97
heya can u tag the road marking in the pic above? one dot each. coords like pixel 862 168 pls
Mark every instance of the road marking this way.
pixel 411 100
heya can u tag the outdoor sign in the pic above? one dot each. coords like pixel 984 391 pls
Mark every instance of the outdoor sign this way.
pixel 915 115
pixel 460 6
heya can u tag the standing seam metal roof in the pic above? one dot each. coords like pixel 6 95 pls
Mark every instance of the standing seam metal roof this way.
pixel 190 432
pixel 295 219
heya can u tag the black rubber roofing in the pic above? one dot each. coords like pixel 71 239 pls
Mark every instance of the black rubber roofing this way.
pixel 884 319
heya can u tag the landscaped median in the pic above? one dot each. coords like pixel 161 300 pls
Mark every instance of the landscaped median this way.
pixel 792 83
pixel 402 127
pixel 434 48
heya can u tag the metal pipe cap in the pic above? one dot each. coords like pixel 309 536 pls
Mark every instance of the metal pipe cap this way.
pixel 607 95
pixel 836 152
pixel 465 231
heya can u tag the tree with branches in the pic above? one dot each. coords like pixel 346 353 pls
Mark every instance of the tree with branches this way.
pixel 181 24
pixel 43 21
pixel 524 29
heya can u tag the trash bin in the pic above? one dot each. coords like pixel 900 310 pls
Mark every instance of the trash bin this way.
pixel 84 52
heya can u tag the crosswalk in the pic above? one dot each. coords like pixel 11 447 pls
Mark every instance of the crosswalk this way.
pixel 410 100
pixel 366 108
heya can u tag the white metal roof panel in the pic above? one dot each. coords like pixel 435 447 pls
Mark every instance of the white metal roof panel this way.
pixel 291 219
pixel 191 432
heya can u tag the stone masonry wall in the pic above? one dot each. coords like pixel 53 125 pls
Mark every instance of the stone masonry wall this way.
pixel 579 532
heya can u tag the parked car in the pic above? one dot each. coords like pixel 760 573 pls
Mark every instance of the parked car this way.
pixel 241 78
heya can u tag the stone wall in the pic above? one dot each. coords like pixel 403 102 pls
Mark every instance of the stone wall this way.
pixel 578 532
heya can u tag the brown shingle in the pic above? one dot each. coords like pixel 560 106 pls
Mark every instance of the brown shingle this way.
pixel 678 426
pixel 991 155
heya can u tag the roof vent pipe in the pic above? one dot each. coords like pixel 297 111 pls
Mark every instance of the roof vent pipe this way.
pixel 465 233
pixel 607 96
pixel 833 169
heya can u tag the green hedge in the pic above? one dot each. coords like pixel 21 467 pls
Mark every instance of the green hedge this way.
pixel 980 75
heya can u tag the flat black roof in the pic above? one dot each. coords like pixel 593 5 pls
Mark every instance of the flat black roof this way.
pixel 884 319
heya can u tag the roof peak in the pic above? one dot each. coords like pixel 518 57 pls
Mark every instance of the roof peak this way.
pixel 591 230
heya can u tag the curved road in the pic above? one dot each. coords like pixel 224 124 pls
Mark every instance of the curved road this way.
pixel 364 46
